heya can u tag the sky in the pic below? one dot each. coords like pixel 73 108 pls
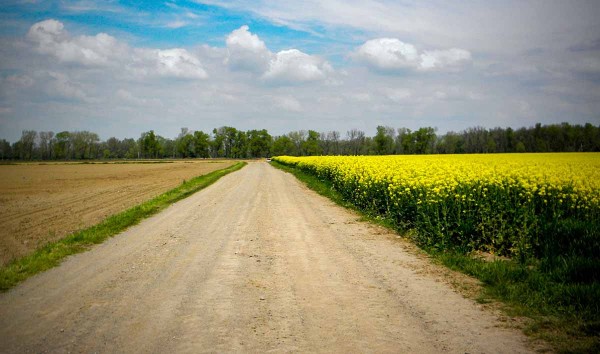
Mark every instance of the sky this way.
pixel 120 68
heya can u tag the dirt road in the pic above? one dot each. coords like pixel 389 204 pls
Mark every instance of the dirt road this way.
pixel 254 263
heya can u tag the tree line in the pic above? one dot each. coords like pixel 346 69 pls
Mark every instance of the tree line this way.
pixel 229 142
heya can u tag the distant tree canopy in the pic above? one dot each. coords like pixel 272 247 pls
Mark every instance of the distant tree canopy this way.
pixel 229 142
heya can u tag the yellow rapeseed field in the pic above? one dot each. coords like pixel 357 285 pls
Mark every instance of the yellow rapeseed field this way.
pixel 501 203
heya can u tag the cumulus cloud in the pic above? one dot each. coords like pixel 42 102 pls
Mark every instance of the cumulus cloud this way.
pixel 246 51
pixel 393 54
pixel 388 53
pixel 102 50
pixel 295 66
pixel 52 39
pixel 179 62
pixel 46 32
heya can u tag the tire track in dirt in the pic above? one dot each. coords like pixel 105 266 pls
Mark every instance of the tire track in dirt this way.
pixel 254 263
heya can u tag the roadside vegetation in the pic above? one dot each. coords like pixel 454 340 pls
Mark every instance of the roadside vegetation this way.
pixel 526 226
pixel 53 253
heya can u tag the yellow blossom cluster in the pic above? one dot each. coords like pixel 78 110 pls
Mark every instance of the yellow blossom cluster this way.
pixel 478 201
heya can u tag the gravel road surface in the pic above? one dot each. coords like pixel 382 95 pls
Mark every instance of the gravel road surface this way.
pixel 254 263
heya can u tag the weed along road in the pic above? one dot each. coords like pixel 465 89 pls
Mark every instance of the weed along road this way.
pixel 254 263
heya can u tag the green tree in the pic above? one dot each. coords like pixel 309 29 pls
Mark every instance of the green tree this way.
pixel 185 143
pixel 239 148
pixel 298 138
pixel 510 140
pixel 5 150
pixel 201 144
pixel 383 141
pixel 405 141
pixel 129 148
pixel 113 146
pixel 62 147
pixel 45 146
pixel 218 142
pixel 451 143
pixel 283 146
pixel 491 145
pixel 424 140
pixel 149 145
pixel 311 145
pixel 227 142
pixel 27 145
pixel 84 144
pixel 355 140
pixel 259 143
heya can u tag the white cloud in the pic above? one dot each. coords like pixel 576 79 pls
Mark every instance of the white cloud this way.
pixel 103 50
pixel 444 59
pixel 245 51
pixel 388 53
pixel 393 54
pixel 110 86
pixel 482 26
pixel 295 66
pixel 52 39
pixel 46 31
pixel 242 38
pixel 179 62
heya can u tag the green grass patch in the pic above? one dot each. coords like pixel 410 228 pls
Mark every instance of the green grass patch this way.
pixel 53 253
pixel 561 295
pixel 563 310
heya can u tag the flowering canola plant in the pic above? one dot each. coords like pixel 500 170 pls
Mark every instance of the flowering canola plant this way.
pixel 509 204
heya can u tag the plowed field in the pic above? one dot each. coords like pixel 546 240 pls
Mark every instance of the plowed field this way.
pixel 44 202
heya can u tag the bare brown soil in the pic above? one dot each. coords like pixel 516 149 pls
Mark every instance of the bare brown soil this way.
pixel 45 202
pixel 255 263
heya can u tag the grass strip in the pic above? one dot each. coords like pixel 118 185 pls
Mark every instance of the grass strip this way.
pixel 563 313
pixel 53 253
